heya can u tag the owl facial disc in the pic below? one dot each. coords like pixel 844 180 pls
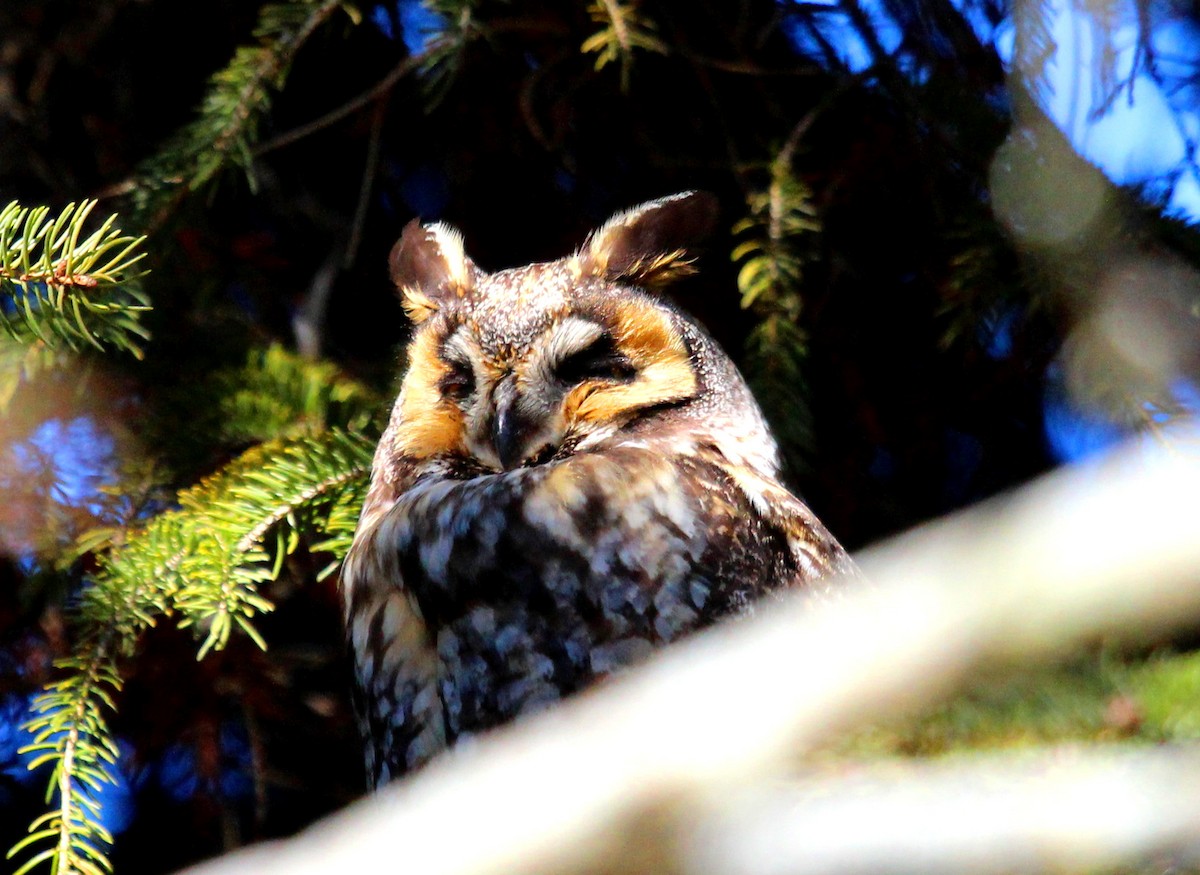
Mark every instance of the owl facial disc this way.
pixel 507 369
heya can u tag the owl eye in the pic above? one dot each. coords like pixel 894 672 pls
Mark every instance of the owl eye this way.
pixel 459 382
pixel 599 360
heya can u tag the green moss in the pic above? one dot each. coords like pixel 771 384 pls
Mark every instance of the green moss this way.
pixel 1094 698
pixel 1167 691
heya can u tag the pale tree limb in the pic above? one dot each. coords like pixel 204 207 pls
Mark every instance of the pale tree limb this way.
pixel 1067 810
pixel 634 776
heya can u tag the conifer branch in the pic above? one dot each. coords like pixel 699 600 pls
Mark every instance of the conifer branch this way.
pixel 204 562
pixel 981 287
pixel 71 728
pixel 445 47
pixel 624 32
pixel 278 393
pixel 226 127
pixel 772 257
pixel 70 733
pixel 59 286
pixel 284 483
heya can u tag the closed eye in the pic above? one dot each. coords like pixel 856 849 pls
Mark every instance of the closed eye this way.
pixel 458 382
pixel 599 360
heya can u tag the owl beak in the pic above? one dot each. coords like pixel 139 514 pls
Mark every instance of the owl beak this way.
pixel 510 430
pixel 507 431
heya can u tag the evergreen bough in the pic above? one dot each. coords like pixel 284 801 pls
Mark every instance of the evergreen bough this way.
pixel 201 565
pixel 775 243
pixel 201 562
pixel 60 285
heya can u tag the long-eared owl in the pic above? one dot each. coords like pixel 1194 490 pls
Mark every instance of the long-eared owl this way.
pixel 573 474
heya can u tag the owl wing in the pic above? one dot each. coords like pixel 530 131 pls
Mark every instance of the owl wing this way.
pixel 818 561
pixel 397 670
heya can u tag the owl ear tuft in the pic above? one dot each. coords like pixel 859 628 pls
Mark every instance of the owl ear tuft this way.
pixel 428 265
pixel 648 244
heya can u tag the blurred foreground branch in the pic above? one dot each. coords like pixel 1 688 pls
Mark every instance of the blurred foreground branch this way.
pixel 670 769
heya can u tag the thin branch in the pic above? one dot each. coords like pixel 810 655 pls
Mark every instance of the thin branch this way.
pixel 370 168
pixel 376 91
pixel 741 67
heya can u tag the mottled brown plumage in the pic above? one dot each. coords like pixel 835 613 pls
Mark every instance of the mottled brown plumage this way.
pixel 574 474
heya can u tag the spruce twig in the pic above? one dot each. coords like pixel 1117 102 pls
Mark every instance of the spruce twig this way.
pixel 772 257
pixel 624 32
pixel 59 286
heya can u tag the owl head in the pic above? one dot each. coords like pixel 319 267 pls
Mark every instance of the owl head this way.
pixel 523 366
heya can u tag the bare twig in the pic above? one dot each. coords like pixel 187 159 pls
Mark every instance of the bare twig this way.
pixel 370 168
pixel 376 91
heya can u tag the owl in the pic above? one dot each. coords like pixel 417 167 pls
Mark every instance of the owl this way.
pixel 573 475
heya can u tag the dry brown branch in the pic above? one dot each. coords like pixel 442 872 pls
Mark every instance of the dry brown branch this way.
pixel 648 773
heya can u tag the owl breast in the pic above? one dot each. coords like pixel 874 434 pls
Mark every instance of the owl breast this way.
pixel 541 580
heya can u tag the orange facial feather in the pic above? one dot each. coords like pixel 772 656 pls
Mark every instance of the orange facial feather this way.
pixel 643 333
pixel 433 424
